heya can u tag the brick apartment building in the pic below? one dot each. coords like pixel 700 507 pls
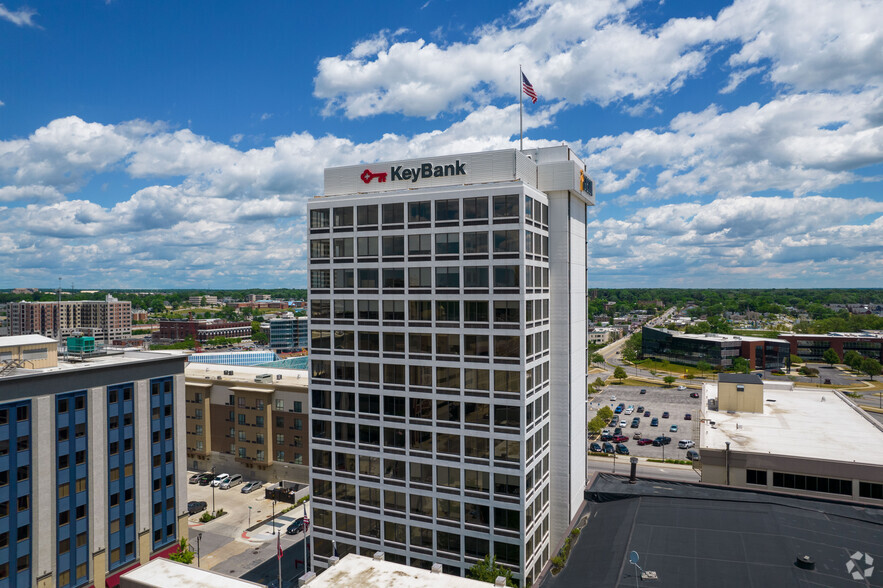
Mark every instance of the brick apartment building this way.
pixel 105 320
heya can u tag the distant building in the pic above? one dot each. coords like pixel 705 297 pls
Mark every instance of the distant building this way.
pixel 228 358
pixel 252 421
pixel 92 467
pixel 289 333
pixel 257 297
pixel 813 347
pixel 198 300
pixel 376 572
pixel 202 330
pixel 25 290
pixel 775 436
pixel 139 315
pixel 162 573
pixel 716 349
pixel 602 335
pixel 105 320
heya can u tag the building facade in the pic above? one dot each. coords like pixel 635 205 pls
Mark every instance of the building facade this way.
pixel 716 349
pixel 289 333
pixel 813 347
pixel 92 467
pixel 105 320
pixel 252 421
pixel 202 330
pixel 448 358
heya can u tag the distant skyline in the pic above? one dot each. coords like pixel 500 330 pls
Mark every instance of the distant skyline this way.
pixel 170 145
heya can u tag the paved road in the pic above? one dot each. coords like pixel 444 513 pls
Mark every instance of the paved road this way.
pixel 676 473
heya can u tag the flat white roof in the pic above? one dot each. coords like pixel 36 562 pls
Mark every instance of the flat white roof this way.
pixel 162 572
pixel 365 572
pixel 211 371
pixel 803 422
pixel 25 340
pixel 720 337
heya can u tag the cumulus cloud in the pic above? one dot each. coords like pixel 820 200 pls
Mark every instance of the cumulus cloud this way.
pixel 23 17
pixel 602 52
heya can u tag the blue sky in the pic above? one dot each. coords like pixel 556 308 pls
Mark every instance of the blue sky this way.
pixel 174 144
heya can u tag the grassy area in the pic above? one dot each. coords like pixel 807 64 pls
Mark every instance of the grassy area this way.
pixel 678 461
pixel 749 333
pixel 665 366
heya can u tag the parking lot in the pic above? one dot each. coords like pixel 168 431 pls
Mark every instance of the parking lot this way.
pixel 657 400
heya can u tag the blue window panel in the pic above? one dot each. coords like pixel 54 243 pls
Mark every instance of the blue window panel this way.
pixel 72 474
pixel 126 534
pixel 162 395
pixel 15 489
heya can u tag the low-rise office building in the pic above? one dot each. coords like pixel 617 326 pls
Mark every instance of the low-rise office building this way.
pixel 289 333
pixel 714 348
pixel 92 463
pixel 813 347
pixel 252 421
pixel 203 330
pixel 771 435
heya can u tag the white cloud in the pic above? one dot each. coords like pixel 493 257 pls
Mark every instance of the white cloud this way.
pixel 23 17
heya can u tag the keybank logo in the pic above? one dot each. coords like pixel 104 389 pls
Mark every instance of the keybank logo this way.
pixel 423 171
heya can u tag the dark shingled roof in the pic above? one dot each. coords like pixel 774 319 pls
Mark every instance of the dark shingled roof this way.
pixel 740 378
pixel 695 535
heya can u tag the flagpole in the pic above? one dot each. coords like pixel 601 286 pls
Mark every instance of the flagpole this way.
pixel 520 111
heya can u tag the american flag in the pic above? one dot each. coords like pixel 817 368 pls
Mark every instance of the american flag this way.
pixel 278 548
pixel 528 89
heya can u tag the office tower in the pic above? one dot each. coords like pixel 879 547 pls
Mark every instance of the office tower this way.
pixel 448 358
pixel 92 462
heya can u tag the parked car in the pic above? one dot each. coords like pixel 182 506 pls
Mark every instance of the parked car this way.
pixel 613 398
pixel 617 431
pixel 233 480
pixel 665 415
pixel 643 442
pixel 605 432
pixel 637 435
pixel 694 394
pixel 623 423
pixel 643 390
pixel 220 479
pixel 640 409
pixel 654 422
pixel 194 479
pixel 693 454
pixel 662 440
pixel 629 410
pixel 613 422
pixel 606 437
pixel 673 429
pixel 620 438
pixel 608 448
pixel 622 449
pixel 688 417
pixel 206 479
pixel 296 527
pixel 617 410
pixel 686 444
pixel 682 388
pixel 596 447
pixel 636 422
pixel 646 413
pixel 195 506
pixel 251 486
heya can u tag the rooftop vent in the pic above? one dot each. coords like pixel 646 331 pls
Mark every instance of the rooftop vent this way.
pixel 805 562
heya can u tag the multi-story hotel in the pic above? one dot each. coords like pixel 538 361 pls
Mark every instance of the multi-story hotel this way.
pixel 448 358
pixel 248 420
pixel 105 320
pixel 92 463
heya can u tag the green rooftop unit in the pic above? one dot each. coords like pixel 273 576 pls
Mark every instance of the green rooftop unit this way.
pixel 81 344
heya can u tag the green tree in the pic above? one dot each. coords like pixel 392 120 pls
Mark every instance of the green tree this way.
pixel 795 359
pixel 183 555
pixel 669 380
pixel 871 367
pixel 599 383
pixel 605 412
pixel 740 365
pixel 704 367
pixel 853 359
pixel 261 338
pixel 597 358
pixel 488 569
pixel 596 424
pixel 831 357
pixel 203 302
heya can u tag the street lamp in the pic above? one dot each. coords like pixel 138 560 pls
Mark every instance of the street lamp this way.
pixel 198 539
pixel 249 516
pixel 213 497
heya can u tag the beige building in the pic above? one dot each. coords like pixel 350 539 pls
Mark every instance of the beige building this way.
pixel 772 435
pixel 28 351
pixel 105 320
pixel 248 420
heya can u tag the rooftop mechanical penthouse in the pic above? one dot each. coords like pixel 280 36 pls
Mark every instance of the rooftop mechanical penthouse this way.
pixel 448 358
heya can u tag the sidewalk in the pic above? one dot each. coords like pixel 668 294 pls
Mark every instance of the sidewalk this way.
pixel 266 531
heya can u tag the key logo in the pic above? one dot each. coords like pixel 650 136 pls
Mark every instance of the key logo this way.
pixel 368 175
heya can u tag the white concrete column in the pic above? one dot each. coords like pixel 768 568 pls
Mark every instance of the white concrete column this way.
pixel 180 438
pixel 143 484
pixel 96 425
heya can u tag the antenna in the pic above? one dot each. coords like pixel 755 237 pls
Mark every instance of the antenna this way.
pixel 648 575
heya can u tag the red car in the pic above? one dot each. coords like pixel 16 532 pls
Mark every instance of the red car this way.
pixel 694 394
pixel 645 442
pixel 620 439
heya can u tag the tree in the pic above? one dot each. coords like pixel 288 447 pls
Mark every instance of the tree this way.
pixel 599 383
pixel 795 359
pixel 853 359
pixel 597 358
pixel 669 380
pixel 203 302
pixel 704 367
pixel 261 338
pixel 740 365
pixel 605 412
pixel 871 367
pixel 183 555
pixel 619 373
pixel 831 357
pixel 596 424
pixel 488 569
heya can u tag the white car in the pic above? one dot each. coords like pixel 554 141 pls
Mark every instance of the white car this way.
pixel 629 410
pixel 686 444
pixel 613 398
pixel 219 479
pixel 623 424
pixel 682 388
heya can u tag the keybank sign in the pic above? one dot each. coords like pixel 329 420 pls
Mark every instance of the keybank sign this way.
pixel 423 171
